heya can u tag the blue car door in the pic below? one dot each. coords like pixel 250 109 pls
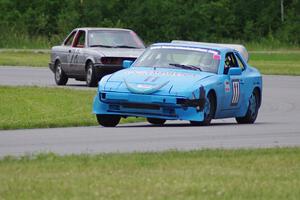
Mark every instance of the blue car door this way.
pixel 245 83
pixel 233 93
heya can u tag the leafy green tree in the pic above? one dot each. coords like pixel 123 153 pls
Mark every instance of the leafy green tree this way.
pixel 24 22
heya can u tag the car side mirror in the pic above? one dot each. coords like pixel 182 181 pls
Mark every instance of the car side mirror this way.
pixel 234 71
pixel 127 63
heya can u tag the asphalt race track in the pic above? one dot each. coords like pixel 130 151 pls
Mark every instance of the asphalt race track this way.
pixel 278 124
pixel 33 76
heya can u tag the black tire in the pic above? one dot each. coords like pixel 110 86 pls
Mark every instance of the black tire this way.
pixel 209 111
pixel 156 121
pixel 59 75
pixel 252 111
pixel 108 120
pixel 91 77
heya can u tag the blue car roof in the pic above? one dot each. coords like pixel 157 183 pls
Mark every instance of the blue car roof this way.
pixel 218 48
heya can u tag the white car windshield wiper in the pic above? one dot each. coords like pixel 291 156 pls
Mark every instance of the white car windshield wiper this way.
pixel 100 45
pixel 192 67
pixel 125 46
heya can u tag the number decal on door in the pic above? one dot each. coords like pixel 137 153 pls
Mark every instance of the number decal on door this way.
pixel 235 92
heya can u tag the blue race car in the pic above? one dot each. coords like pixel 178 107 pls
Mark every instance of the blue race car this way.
pixel 182 81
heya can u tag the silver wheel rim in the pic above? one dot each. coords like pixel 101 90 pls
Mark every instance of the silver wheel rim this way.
pixel 253 105
pixel 89 75
pixel 58 72
pixel 207 108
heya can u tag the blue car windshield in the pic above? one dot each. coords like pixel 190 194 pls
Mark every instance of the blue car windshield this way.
pixel 180 57
pixel 114 39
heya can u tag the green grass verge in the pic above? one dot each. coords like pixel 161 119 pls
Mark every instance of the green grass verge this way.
pixel 24 58
pixel 206 174
pixel 267 45
pixel 277 63
pixel 34 107
pixel 285 62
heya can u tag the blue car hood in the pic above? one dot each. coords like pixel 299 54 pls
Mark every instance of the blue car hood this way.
pixel 162 81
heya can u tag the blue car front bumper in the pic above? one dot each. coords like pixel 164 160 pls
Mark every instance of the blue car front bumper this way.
pixel 154 106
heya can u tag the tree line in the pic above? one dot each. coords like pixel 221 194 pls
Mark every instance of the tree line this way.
pixel 49 21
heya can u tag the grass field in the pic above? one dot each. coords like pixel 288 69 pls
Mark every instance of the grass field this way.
pixel 268 62
pixel 206 174
pixel 277 62
pixel 24 58
pixel 34 107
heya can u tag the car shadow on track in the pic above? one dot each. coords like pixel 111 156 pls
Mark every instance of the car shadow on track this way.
pixel 78 86
pixel 214 124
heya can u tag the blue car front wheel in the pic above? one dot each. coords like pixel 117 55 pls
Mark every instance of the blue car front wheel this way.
pixel 156 121
pixel 208 111
pixel 108 120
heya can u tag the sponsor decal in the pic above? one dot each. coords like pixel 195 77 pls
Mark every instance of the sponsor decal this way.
pixel 216 57
pixel 227 85
pixel 158 73
pixel 185 48
pixel 155 79
pixel 144 86
pixel 235 92
pixel 147 79
pixel 151 79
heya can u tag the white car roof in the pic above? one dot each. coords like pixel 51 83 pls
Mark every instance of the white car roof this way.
pixel 238 47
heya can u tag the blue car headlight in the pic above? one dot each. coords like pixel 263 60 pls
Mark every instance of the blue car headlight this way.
pixel 195 99
pixel 103 82
pixel 112 85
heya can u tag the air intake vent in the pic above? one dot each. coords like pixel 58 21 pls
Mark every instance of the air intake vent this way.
pixel 141 106
pixel 114 107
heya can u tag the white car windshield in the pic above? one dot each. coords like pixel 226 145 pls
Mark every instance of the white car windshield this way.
pixel 180 57
pixel 114 39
